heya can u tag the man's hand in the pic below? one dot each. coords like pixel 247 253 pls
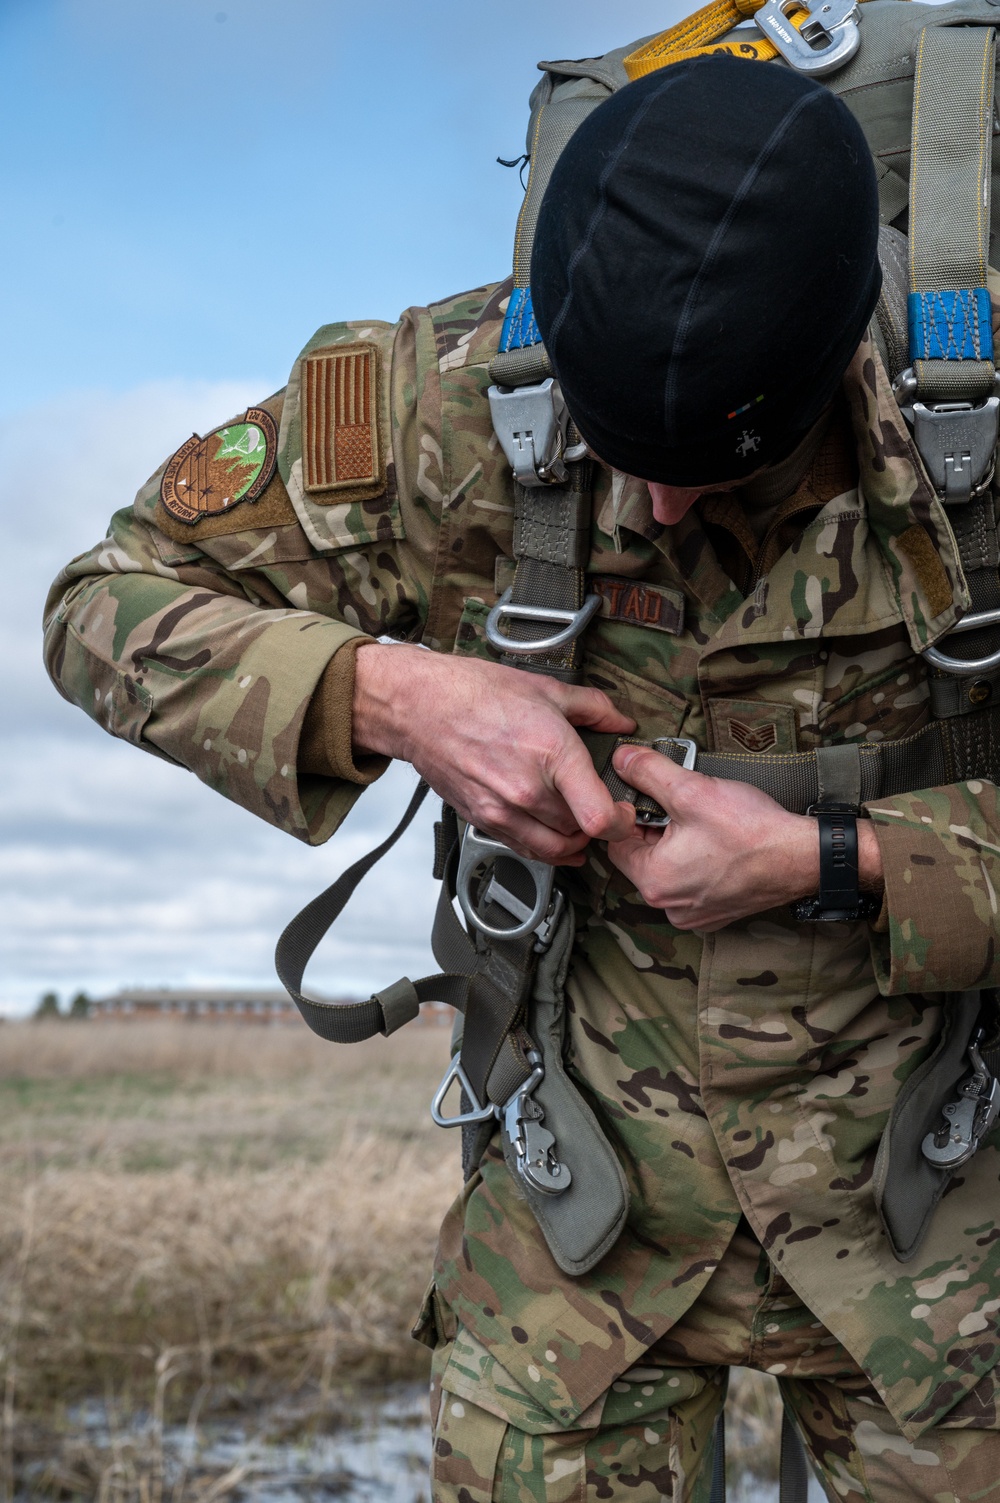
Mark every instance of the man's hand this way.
pixel 496 743
pixel 729 850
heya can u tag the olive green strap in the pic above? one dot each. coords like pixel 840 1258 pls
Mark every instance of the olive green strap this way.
pixel 950 165
pixel 945 751
pixel 352 1022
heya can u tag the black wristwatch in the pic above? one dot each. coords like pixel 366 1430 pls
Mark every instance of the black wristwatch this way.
pixel 839 899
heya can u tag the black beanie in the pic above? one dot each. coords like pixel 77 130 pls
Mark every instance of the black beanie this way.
pixel 705 265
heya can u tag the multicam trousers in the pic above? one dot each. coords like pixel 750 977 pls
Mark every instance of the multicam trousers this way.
pixel 647 1439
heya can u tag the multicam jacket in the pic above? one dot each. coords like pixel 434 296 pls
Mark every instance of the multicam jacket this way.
pixel 752 1071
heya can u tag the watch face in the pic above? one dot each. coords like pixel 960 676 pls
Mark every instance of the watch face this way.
pixel 211 475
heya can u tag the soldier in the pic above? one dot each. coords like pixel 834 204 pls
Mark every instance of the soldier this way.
pixel 772 562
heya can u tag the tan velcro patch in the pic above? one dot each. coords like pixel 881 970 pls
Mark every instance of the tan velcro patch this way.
pixel 932 577
pixel 341 449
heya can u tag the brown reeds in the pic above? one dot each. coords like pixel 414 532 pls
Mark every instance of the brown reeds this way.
pixel 206 1210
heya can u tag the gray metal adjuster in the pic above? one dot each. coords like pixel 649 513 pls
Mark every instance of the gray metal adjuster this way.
pixel 531 423
pixel 534 1146
pixel 544 931
pixel 825 42
pixel 658 819
pixel 957 440
pixel 479 850
pixel 576 622
pixel 967 1119
pixel 957 443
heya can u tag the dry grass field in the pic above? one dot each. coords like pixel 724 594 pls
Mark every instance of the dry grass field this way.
pixel 200 1217
pixel 211 1212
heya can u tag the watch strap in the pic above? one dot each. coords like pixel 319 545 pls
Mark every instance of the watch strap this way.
pixel 839 899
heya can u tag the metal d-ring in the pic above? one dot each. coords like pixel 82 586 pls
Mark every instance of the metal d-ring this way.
pixel 966 667
pixel 461 1119
pixel 575 623
pixel 477 849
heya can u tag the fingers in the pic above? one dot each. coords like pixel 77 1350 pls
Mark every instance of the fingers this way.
pixel 535 841
pixel 653 773
pixel 556 837
pixel 589 801
pixel 575 797
pixel 639 855
pixel 513 763
pixel 592 708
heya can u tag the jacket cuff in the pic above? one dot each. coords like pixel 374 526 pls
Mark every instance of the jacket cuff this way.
pixel 937 931
pixel 326 747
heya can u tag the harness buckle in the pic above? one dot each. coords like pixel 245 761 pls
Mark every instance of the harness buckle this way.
pixel 957 440
pixel 576 622
pixel 531 423
pixel 546 927
pixel 648 813
pixel 967 1119
pixel 534 1146
pixel 476 1113
pixel 825 42
pixel 540 919
pixel 957 443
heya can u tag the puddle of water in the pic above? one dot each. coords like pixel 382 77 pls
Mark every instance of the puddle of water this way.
pixel 379 1454
pixel 751 1490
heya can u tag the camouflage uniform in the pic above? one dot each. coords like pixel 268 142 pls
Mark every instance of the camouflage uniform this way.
pixel 748 1074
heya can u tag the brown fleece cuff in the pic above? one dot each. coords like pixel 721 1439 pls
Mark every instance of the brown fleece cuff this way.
pixel 325 746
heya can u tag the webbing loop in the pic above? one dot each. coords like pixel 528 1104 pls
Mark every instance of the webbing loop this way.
pixel 353 1022
pixel 702 34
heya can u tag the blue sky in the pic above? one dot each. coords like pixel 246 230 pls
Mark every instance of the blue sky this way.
pixel 196 185
pixel 191 189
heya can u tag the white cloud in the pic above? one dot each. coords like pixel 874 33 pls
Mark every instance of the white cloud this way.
pixel 118 868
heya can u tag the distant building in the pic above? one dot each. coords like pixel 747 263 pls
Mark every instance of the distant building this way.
pixel 207 1005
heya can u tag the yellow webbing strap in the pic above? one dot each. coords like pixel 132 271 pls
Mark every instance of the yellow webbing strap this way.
pixel 701 34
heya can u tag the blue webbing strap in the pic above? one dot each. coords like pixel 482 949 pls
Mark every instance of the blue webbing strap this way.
pixel 519 328
pixel 953 325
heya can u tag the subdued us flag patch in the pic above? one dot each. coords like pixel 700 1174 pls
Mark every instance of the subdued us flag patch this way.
pixel 340 428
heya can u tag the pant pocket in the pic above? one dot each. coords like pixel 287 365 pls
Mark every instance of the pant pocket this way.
pixel 466 1451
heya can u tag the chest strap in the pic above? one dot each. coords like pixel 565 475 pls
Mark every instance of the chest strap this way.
pixel 945 751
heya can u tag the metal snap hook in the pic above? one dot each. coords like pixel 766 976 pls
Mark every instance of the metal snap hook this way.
pixel 827 40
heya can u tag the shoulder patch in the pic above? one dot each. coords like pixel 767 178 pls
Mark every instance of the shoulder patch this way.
pixel 341 448
pixel 209 476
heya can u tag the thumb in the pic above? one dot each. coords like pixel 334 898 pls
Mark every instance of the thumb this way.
pixel 651 772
